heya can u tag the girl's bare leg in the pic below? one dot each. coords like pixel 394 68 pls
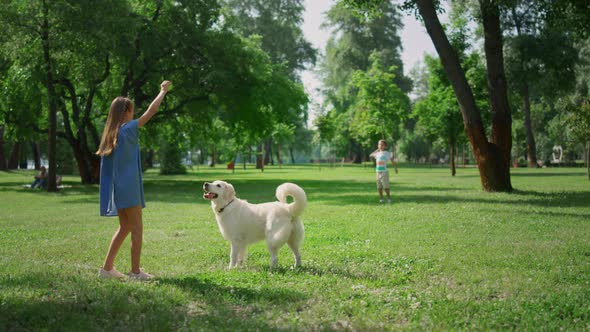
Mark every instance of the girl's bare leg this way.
pixel 117 240
pixel 136 227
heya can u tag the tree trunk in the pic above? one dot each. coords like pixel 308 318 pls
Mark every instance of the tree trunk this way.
pixel 463 154
pixel 291 154
pixel 36 155
pixel 320 155
pixel 260 157
pixel 203 156
pixel 349 152
pixel 92 161
pixel 2 156
pixel 83 168
pixel 501 134
pixel 268 152
pixel 87 161
pixel 13 161
pixel 491 157
pixel 149 159
pixel 213 156
pixel 52 99
pixel 358 155
pixel 452 156
pixel 515 162
pixel 530 138
pixel 22 158
pixel 279 156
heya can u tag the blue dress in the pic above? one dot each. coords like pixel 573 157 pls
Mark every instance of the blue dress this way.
pixel 121 185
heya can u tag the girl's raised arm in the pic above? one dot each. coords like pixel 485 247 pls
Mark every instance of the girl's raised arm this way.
pixel 145 117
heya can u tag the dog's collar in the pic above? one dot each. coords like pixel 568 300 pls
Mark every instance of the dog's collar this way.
pixel 223 208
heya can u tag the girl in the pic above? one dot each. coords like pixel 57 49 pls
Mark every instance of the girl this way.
pixel 40 179
pixel 121 187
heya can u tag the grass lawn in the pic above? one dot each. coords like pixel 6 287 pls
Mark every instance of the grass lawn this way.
pixel 443 256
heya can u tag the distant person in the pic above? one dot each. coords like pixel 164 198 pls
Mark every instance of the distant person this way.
pixel 40 179
pixel 381 156
pixel 121 187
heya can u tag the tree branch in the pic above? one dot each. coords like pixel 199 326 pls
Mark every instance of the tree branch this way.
pixel 176 110
pixel 73 100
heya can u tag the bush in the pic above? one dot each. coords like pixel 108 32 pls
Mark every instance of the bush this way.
pixel 66 163
pixel 171 159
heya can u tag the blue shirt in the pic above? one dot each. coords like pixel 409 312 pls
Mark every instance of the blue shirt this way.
pixel 121 185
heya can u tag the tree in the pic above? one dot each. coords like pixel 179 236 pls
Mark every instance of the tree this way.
pixel 578 123
pixel 438 113
pixel 353 40
pixel 539 61
pixel 21 109
pixel 282 134
pixel 277 23
pixel 334 128
pixel 96 55
pixel 576 106
pixel 493 156
pixel 572 16
pixel 301 143
pixel 380 104
pixel 53 37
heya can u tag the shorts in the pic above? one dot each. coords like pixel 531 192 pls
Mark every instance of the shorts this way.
pixel 382 180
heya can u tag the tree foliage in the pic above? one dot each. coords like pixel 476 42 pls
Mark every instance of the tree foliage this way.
pixel 353 39
pixel 99 50
pixel 380 105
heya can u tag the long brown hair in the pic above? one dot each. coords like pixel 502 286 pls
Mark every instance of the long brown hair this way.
pixel 119 106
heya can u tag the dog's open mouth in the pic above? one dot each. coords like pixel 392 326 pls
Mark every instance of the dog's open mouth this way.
pixel 209 195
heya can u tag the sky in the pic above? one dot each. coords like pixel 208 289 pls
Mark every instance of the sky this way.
pixel 415 41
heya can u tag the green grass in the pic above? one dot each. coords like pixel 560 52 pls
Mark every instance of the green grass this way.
pixel 443 256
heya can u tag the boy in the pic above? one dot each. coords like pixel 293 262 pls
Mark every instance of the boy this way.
pixel 381 157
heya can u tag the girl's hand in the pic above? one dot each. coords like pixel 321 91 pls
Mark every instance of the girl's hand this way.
pixel 165 86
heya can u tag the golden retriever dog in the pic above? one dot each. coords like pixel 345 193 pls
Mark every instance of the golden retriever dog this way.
pixel 243 223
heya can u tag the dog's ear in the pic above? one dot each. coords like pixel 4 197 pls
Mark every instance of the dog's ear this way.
pixel 229 192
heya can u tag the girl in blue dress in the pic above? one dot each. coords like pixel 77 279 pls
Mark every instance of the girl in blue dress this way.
pixel 121 187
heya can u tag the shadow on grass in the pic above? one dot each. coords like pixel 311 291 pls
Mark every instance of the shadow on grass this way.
pixel 202 287
pixel 402 195
pixel 544 215
pixel 542 174
pixel 373 268
pixel 52 302
pixel 182 189
pixel 377 276
pixel 555 199
pixel 260 190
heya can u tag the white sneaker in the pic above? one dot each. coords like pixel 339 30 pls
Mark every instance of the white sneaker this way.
pixel 380 201
pixel 112 274
pixel 389 201
pixel 141 276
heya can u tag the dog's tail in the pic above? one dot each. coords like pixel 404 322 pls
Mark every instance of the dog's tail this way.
pixel 299 198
